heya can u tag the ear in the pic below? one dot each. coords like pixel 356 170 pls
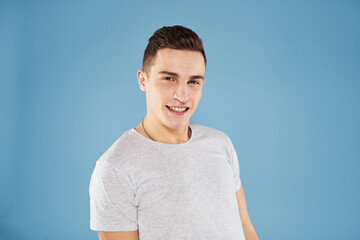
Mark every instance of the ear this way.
pixel 141 76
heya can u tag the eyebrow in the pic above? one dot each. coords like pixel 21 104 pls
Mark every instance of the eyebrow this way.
pixel 177 75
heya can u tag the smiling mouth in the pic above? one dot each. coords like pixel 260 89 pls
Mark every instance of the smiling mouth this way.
pixel 177 109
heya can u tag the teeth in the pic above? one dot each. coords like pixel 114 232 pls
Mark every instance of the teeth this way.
pixel 177 109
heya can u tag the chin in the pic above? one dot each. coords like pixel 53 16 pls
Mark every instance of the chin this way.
pixel 178 124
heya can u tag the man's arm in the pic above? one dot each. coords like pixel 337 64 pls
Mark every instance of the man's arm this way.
pixel 249 230
pixel 130 235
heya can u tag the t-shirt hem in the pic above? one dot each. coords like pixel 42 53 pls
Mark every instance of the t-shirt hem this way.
pixel 237 188
pixel 114 229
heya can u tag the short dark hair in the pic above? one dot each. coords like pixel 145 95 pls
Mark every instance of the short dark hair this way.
pixel 175 37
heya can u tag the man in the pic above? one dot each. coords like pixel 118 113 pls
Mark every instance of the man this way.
pixel 168 178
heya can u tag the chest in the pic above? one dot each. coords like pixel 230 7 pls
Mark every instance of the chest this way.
pixel 189 177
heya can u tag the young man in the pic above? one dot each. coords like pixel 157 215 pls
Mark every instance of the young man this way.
pixel 168 178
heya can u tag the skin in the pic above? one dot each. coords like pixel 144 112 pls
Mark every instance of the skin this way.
pixel 249 230
pixel 176 78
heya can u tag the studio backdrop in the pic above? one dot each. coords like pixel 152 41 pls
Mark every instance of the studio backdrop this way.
pixel 282 80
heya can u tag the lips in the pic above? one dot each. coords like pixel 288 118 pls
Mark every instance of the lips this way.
pixel 178 109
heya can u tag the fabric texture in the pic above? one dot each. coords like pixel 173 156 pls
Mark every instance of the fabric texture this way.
pixel 168 191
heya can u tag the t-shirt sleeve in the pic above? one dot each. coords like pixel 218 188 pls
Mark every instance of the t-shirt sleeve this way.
pixel 234 165
pixel 112 200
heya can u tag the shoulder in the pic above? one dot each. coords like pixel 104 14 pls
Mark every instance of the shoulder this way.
pixel 214 140
pixel 120 150
pixel 204 132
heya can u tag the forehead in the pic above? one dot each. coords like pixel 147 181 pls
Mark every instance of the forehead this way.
pixel 183 62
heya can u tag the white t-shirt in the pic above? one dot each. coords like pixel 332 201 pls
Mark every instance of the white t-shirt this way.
pixel 168 191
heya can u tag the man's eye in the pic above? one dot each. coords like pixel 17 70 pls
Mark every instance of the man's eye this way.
pixel 194 82
pixel 168 78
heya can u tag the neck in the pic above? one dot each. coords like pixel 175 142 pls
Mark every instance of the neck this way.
pixel 161 133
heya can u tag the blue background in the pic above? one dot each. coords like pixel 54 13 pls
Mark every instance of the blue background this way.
pixel 282 81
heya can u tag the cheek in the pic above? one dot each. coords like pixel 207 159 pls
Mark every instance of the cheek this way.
pixel 162 93
pixel 196 94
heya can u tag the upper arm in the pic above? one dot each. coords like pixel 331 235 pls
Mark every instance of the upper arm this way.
pixel 248 228
pixel 128 235
pixel 244 216
pixel 112 200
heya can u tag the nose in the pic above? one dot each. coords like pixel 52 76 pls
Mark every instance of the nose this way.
pixel 181 92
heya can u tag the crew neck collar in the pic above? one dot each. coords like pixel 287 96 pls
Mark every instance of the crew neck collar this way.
pixel 193 133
